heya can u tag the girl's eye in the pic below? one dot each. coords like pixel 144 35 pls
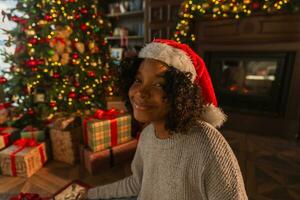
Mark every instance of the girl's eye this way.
pixel 137 80
pixel 158 85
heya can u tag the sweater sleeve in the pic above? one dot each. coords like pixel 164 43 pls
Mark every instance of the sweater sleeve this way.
pixel 127 187
pixel 221 177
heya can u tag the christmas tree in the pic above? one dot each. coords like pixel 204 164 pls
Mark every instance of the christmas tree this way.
pixel 61 62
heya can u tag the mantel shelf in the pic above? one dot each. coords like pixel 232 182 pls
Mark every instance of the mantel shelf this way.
pixel 130 13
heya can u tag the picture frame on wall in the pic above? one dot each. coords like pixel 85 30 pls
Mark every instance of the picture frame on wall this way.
pixel 117 53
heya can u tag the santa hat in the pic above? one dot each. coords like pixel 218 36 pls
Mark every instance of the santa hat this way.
pixel 183 58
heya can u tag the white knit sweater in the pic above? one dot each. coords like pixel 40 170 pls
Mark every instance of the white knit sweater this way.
pixel 199 165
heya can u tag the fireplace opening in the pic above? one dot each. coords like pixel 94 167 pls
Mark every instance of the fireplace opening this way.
pixel 251 82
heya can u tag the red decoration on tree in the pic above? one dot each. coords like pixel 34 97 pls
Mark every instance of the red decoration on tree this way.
pixel 75 55
pixel 91 73
pixel 19 49
pixel 33 41
pixel 52 104
pixel 72 95
pixel 56 75
pixel 32 63
pixel 76 84
pixel 84 98
pixel 84 11
pixel 30 111
pixel 77 16
pixel 48 18
pixel 104 78
pixel 255 5
pixel 41 61
pixel 18 20
pixel 34 69
pixel 84 27
pixel 3 80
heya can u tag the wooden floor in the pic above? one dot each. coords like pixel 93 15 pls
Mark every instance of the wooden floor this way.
pixel 54 175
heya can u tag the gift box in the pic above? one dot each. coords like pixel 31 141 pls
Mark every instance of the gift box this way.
pixel 33 133
pixel 106 129
pixel 7 136
pixel 116 103
pixel 74 190
pixel 23 158
pixel 65 135
pixel 95 162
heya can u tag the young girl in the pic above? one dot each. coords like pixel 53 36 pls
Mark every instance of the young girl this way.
pixel 180 154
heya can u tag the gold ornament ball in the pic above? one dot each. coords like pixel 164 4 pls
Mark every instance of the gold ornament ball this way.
pixel 247 1
pixel 205 5
pixel 89 91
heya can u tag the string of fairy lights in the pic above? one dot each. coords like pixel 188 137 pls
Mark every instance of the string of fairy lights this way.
pixel 216 9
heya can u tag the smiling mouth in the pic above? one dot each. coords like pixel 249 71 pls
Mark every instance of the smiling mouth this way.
pixel 140 106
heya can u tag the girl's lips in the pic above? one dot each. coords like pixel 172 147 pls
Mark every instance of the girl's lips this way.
pixel 141 106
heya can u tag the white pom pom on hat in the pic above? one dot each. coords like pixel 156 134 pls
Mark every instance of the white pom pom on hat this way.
pixel 183 58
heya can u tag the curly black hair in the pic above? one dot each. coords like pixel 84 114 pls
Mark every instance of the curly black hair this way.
pixel 183 96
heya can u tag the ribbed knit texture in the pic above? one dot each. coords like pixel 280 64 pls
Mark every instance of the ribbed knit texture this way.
pixel 199 165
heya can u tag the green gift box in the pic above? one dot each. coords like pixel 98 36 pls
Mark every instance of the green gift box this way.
pixel 38 135
pixel 100 134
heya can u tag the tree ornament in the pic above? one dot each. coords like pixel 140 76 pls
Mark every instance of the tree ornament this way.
pixel 84 98
pixel 75 55
pixel 32 63
pixel 83 27
pixel 80 47
pixel 91 73
pixel 72 95
pixel 52 104
pixel 51 52
pixel 247 1
pixel 93 47
pixel 255 5
pixel 60 96
pixel 89 91
pixel 84 11
pixel 30 32
pixel 48 18
pixel 56 75
pixel 42 23
pixel 30 111
pixel 3 80
pixel 104 78
pixel 76 84
pixel 33 41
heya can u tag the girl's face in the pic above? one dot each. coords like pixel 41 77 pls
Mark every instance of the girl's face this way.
pixel 146 94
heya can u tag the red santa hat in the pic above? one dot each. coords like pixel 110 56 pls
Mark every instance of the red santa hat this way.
pixel 183 58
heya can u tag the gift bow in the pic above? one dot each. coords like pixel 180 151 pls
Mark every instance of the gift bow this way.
pixel 106 114
pixel 27 196
pixel 26 142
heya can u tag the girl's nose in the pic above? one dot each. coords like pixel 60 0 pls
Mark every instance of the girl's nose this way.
pixel 144 92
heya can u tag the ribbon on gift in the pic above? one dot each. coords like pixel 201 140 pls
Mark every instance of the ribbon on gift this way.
pixel 22 144
pixel 111 115
pixel 27 196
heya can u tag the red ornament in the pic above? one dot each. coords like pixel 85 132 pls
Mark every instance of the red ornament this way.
pixel 105 78
pixel 41 61
pixel 72 95
pixel 56 75
pixel 84 98
pixel 77 16
pixel 30 111
pixel 71 1
pixel 48 18
pixel 34 69
pixel 52 104
pixel 32 63
pixel 75 55
pixel 33 41
pixel 76 84
pixel 255 5
pixel 19 49
pixel 84 11
pixel 91 74
pixel 84 27
pixel 3 80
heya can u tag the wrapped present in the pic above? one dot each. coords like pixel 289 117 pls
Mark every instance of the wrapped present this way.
pixel 95 162
pixel 33 133
pixel 74 190
pixel 65 135
pixel 106 129
pixel 7 136
pixel 116 103
pixel 23 158
pixel 28 196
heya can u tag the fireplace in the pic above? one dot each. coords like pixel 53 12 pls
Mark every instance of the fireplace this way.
pixel 255 67
pixel 251 82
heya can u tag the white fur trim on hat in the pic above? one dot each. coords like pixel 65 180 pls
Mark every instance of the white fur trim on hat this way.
pixel 213 115
pixel 171 56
